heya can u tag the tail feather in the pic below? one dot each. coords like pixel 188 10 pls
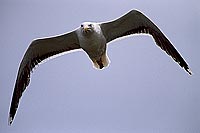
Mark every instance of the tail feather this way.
pixel 102 62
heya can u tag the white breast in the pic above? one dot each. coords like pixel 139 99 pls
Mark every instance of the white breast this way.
pixel 93 44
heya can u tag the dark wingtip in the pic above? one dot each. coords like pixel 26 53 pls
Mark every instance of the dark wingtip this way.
pixel 189 71
pixel 10 120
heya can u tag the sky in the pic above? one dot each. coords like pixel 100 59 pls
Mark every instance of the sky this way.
pixel 143 90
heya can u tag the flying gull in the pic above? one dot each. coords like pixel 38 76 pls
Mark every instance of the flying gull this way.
pixel 92 38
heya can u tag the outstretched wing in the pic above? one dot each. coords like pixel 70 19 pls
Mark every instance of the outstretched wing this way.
pixel 38 51
pixel 135 22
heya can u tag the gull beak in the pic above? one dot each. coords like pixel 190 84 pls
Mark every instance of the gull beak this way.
pixel 86 28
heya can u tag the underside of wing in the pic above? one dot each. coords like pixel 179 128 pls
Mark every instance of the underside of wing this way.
pixel 134 22
pixel 38 51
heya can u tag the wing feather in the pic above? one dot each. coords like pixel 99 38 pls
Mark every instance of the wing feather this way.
pixel 38 51
pixel 134 22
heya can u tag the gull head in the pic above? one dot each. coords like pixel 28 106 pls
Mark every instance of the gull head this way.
pixel 87 28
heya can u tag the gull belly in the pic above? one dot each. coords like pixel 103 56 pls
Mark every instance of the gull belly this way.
pixel 94 44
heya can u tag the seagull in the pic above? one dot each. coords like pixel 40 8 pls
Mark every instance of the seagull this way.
pixel 93 39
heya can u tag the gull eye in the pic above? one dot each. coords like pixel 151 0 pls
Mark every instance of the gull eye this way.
pixel 81 25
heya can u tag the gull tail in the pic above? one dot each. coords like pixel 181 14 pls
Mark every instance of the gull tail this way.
pixel 102 62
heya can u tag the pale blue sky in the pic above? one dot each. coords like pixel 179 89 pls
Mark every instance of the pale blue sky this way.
pixel 143 90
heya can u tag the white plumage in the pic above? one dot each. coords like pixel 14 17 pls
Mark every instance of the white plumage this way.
pixel 93 42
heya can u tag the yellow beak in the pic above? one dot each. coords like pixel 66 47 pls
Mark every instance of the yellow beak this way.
pixel 85 28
